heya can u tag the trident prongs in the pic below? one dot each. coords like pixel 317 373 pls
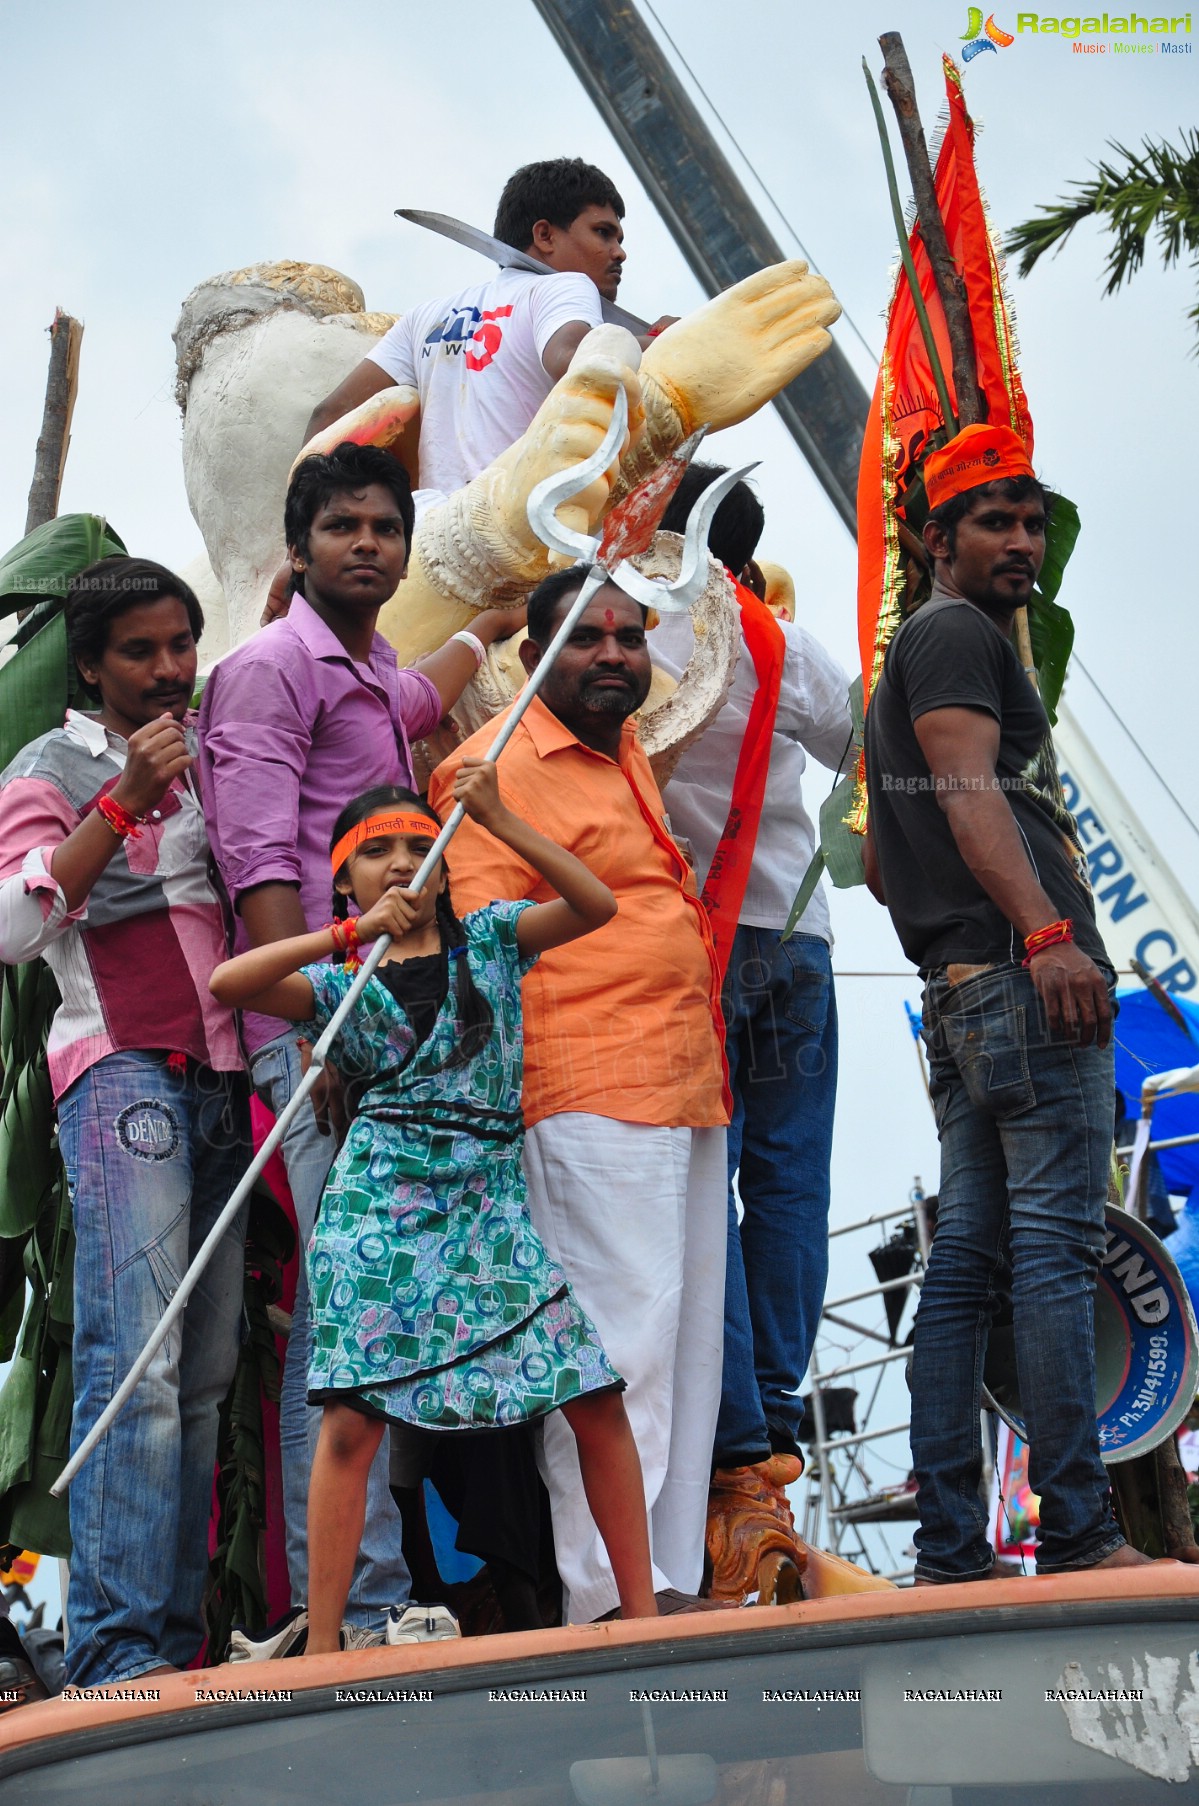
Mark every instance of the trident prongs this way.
pixel 548 495
pixel 667 598
pixel 677 597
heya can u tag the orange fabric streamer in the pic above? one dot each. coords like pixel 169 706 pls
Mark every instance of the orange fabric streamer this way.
pixel 377 825
pixel 905 409
pixel 728 875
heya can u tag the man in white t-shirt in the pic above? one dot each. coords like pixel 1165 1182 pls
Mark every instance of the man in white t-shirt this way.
pixel 484 360
pixel 780 1019
pixel 481 361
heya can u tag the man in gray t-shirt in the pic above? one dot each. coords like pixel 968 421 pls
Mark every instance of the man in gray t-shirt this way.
pixel 978 861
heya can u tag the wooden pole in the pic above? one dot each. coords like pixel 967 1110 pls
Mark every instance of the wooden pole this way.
pixel 905 253
pixel 62 383
pixel 951 286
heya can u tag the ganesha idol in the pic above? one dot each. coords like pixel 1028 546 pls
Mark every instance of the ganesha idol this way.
pixel 258 348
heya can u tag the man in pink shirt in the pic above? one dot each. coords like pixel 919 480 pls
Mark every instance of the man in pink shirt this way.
pixel 105 873
pixel 307 714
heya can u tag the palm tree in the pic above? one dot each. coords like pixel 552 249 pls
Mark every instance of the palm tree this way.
pixel 1157 189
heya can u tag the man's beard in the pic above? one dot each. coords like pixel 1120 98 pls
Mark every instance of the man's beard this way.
pixel 607 699
pixel 1003 601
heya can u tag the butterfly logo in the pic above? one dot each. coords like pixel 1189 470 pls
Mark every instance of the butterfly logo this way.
pixel 978 37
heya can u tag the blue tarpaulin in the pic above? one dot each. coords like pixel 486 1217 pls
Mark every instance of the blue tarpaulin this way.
pixel 1148 1041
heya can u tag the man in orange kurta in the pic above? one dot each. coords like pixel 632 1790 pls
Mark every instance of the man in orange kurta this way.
pixel 625 1099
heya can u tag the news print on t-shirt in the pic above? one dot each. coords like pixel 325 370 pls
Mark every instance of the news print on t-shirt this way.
pixel 476 333
pixel 475 359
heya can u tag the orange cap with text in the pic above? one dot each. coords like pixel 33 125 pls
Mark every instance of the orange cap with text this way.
pixel 979 454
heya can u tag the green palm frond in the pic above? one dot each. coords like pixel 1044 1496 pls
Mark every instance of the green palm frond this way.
pixel 1151 192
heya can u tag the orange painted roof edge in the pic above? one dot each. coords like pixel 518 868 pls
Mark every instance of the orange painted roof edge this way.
pixel 302 1674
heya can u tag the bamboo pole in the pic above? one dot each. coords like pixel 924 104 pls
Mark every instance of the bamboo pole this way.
pixel 62 384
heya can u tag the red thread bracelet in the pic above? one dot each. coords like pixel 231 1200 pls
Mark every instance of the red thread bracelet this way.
pixel 345 935
pixel 1054 934
pixel 124 825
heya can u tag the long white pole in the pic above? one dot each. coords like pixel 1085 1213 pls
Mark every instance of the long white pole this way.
pixel 299 1096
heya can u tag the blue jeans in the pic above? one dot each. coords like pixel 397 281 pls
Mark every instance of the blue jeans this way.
pixel 781 1016
pixel 381 1577
pixel 1025 1121
pixel 151 1158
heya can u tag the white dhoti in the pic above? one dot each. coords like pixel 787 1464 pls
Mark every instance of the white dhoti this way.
pixel 637 1217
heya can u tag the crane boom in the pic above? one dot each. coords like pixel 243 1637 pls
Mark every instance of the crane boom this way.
pixel 710 216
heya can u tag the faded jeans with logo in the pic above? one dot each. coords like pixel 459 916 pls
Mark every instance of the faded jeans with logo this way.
pixel 1025 1121
pixel 381 1577
pixel 152 1157
pixel 781 1020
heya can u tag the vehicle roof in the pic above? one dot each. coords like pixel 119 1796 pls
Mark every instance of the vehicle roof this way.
pixel 964 1609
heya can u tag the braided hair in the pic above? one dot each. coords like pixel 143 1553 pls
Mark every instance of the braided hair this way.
pixel 474 1016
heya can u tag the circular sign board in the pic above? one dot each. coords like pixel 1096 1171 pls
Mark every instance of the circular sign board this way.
pixel 1146 1345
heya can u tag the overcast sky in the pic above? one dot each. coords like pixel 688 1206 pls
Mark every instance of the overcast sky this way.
pixel 148 147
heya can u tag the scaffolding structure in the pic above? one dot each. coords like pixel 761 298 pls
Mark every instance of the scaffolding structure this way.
pixel 840 1499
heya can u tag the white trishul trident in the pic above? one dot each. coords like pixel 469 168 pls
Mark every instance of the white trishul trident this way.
pixel 628 529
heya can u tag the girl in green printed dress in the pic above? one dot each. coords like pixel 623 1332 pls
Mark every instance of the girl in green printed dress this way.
pixel 434 1302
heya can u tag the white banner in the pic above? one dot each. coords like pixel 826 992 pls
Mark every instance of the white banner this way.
pixel 1142 911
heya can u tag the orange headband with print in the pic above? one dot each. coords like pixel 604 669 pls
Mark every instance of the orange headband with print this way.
pixel 977 455
pixel 376 825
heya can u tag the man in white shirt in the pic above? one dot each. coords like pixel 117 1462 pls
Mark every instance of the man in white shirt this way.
pixel 779 1007
pixel 484 360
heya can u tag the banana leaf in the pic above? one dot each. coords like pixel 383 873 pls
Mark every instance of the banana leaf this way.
pixel 36 681
pixel 12 1310
pixel 26 1128
pixel 843 856
pixel 29 1161
pixel 36 1403
pixel 1049 625
pixel 840 850
pixel 35 689
pixel 1052 633
pixel 1061 537
pixel 32 1517
pixel 18 1403
pixel 46 561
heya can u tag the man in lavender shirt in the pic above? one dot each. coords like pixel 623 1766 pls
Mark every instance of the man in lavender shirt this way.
pixel 305 715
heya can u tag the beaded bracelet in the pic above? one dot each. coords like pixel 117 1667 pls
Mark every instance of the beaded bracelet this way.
pixel 474 643
pixel 1054 934
pixel 124 825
